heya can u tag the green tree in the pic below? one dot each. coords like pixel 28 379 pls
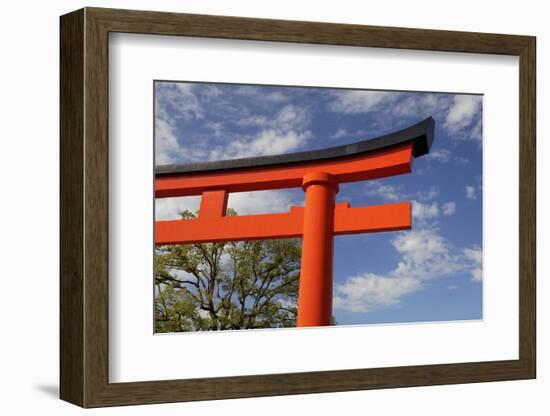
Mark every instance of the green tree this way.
pixel 220 286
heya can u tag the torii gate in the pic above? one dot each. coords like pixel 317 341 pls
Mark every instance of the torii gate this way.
pixel 318 172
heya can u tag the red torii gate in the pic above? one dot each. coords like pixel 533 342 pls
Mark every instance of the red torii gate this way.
pixel 318 173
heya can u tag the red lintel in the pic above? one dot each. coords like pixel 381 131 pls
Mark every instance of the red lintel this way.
pixel 389 217
pixel 374 165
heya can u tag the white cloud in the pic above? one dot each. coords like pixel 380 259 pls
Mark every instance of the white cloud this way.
pixel 217 128
pixel 260 202
pixel 471 192
pixel 461 159
pixel 288 118
pixel 370 291
pixel 460 113
pixel 166 144
pixel 419 105
pixel 384 191
pixel 267 142
pixel 253 120
pixel 463 117
pixel 475 256
pixel 168 149
pixel 441 155
pixel 448 208
pixel 355 102
pixel 419 246
pixel 212 92
pixel 476 274
pixel 276 97
pixel 393 109
pixel 285 132
pixel 429 194
pixel 285 129
pixel 245 203
pixel 292 117
pixel 429 211
pixel 424 255
pixel 170 208
pixel 423 212
pixel 339 134
pixel 174 101
pixel 261 95
pixel 179 99
pixel 476 132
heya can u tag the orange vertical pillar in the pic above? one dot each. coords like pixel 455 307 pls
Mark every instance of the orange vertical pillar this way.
pixel 315 292
pixel 213 204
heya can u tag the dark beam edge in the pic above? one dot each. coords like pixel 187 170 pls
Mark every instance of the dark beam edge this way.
pixel 420 134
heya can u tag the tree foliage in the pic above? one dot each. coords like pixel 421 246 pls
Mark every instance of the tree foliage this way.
pixel 220 286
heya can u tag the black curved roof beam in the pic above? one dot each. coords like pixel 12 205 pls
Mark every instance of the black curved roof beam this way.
pixel 420 134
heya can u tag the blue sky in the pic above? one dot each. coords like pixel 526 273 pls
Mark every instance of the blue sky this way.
pixel 430 273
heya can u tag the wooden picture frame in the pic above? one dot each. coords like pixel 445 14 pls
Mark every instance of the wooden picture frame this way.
pixel 84 207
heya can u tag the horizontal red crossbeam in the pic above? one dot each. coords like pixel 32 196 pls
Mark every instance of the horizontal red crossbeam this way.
pixel 210 228
pixel 380 164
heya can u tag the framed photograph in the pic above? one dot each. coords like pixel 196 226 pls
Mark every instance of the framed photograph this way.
pixel 254 207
